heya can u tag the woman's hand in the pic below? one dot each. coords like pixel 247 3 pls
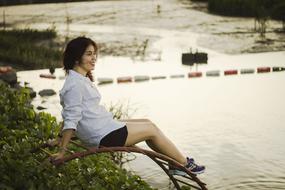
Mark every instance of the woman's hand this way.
pixel 58 156
pixel 62 142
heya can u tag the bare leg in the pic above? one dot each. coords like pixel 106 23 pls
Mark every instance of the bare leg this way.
pixel 145 130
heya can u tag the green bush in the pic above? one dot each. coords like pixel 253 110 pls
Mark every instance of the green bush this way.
pixel 232 7
pixel 19 2
pixel 22 47
pixel 248 8
pixel 22 129
pixel 278 11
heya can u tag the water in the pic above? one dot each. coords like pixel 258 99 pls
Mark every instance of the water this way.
pixel 232 124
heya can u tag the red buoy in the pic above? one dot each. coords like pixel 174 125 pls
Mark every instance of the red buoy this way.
pixel 231 72
pixel 124 79
pixel 194 74
pixel 263 69
pixel 5 69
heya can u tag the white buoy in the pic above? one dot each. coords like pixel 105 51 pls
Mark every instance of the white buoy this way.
pixel 214 73
pixel 177 76
pixel 158 77
pixel 246 71
pixel 104 80
pixel 140 78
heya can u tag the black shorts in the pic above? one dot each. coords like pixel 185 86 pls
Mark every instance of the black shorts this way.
pixel 115 138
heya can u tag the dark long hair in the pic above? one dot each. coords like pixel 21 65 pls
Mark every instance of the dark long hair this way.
pixel 74 51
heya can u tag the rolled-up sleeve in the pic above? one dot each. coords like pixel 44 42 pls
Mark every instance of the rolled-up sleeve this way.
pixel 72 109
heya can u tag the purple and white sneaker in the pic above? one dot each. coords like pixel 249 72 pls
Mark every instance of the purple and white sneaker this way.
pixel 191 166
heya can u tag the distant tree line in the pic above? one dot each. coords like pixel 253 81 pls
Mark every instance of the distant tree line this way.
pixel 248 8
pixel 19 2
pixel 272 8
pixel 261 10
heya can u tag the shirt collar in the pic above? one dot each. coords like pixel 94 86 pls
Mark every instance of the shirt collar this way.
pixel 77 75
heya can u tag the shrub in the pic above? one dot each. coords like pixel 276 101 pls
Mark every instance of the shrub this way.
pixel 21 47
pixel 246 8
pixel 22 129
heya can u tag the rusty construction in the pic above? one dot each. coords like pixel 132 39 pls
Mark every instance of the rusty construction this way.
pixel 189 180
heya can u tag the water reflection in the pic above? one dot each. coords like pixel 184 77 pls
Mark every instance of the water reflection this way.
pixel 233 124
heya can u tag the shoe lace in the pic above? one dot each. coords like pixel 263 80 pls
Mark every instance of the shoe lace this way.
pixel 191 165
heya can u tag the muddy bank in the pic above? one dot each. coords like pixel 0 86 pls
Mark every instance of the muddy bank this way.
pixel 241 38
pixel 132 28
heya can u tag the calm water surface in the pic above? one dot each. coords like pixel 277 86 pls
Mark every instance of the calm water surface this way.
pixel 232 124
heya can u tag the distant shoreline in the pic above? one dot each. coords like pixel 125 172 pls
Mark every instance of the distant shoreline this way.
pixel 223 34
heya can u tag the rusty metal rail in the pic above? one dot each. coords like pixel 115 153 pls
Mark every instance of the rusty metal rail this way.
pixel 190 180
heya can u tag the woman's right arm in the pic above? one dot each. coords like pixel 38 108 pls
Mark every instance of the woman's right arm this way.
pixel 72 114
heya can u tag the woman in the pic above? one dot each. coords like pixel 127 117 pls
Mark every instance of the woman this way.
pixel 92 123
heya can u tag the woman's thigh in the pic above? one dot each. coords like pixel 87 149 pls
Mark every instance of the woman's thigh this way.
pixel 140 131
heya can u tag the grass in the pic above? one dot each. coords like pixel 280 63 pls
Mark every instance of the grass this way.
pixel 20 2
pixel 29 48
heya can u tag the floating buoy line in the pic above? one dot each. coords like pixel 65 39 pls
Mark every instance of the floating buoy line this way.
pixel 211 73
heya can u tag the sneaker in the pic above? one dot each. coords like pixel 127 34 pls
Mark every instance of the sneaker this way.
pixel 191 166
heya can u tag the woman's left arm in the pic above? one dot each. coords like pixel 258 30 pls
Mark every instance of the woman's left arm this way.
pixel 66 136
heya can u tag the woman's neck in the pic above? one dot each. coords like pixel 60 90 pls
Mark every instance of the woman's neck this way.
pixel 80 70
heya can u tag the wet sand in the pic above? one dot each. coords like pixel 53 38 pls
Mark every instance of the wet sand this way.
pixel 230 35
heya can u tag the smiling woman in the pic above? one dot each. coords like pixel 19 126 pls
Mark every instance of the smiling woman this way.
pixel 81 55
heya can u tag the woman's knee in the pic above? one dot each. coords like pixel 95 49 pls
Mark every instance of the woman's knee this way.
pixel 150 130
pixel 154 130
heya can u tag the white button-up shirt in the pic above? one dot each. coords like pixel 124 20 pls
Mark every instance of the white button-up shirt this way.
pixel 81 110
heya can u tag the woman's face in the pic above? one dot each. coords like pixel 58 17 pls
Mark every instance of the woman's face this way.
pixel 88 59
